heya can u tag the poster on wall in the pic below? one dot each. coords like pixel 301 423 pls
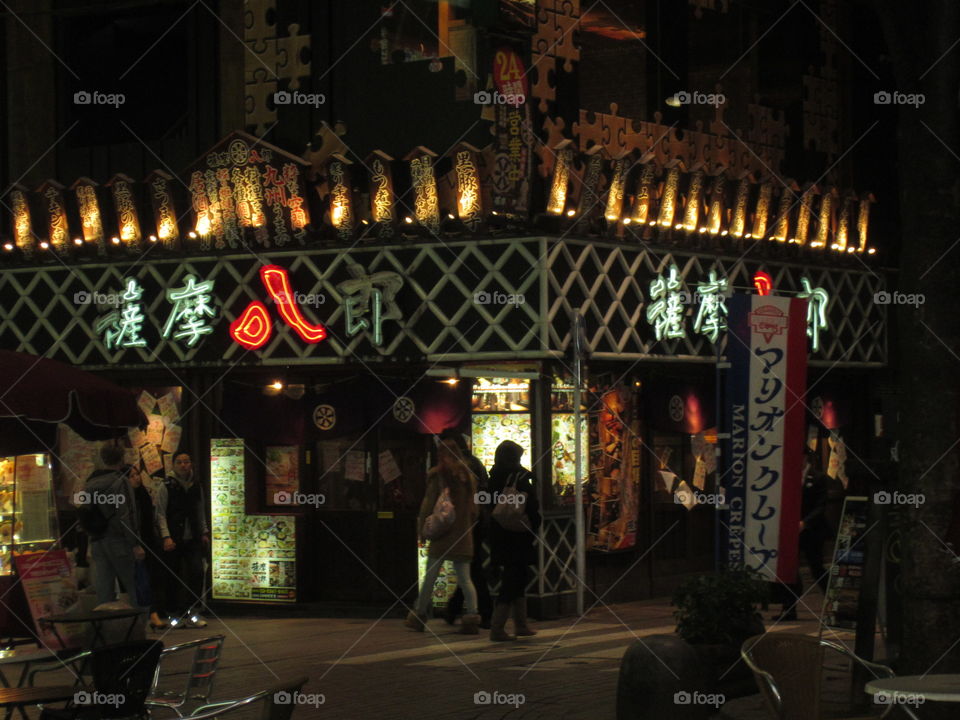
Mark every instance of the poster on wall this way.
pixel 614 474
pixel 254 556
pixel 51 589
pixel 767 350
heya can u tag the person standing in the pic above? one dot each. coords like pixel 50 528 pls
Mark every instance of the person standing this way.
pixel 149 541
pixel 477 574
pixel 182 522
pixel 112 525
pixel 511 551
pixel 456 544
pixel 814 531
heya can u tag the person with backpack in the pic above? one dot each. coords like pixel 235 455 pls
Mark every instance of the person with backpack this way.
pixel 513 531
pixel 108 515
pixel 447 516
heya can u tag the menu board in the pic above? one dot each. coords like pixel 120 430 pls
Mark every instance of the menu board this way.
pixel 51 589
pixel 564 449
pixel 283 472
pixel 254 556
pixel 846 570
pixel 491 429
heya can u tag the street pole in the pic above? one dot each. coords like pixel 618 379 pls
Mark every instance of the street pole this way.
pixel 578 350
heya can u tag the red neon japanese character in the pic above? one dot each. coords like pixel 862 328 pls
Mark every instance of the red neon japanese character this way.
pixel 277 282
pixel 762 282
pixel 253 328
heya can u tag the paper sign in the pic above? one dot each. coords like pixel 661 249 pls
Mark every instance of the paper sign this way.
pixel 151 458
pixel 667 478
pixel 168 407
pixel 698 443
pixel 171 438
pixel 388 467
pixel 146 402
pixel 813 432
pixel 136 437
pixel 700 474
pixel 155 429
pixel 131 456
pixel 685 496
pixel 167 465
pixel 355 470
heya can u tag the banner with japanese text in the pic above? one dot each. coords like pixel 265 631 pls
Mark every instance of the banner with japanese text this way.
pixel 766 382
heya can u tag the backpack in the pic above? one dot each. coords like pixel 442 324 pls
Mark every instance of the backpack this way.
pixel 510 510
pixel 439 522
pixel 92 520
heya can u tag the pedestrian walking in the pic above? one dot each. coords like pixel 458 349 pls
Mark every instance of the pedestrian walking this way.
pixel 453 484
pixel 814 531
pixel 477 572
pixel 108 514
pixel 512 550
pixel 182 522
pixel 148 570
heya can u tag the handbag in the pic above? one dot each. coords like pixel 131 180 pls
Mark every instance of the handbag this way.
pixel 439 522
pixel 510 510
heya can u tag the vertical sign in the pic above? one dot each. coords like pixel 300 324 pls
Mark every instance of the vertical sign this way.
pixel 847 567
pixel 767 349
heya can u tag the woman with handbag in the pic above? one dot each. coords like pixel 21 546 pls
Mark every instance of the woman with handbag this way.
pixel 447 516
pixel 513 531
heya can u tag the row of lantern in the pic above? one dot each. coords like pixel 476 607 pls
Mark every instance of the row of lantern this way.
pixel 427 195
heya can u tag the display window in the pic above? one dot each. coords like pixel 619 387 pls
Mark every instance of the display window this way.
pixel 27 513
pixel 501 411
pixel 563 442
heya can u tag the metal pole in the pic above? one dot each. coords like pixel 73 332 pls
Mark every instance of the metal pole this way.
pixel 578 348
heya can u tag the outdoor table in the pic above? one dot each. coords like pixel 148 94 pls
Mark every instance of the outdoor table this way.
pixel 25 657
pixel 18 698
pixel 932 688
pixel 96 618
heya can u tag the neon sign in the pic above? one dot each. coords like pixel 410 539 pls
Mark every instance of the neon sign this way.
pixel 666 311
pixel 817 299
pixel 370 293
pixel 123 327
pixel 711 317
pixel 192 305
pixel 762 282
pixel 253 328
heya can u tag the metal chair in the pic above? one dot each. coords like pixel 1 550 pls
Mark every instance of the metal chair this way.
pixel 788 670
pixel 271 700
pixel 199 681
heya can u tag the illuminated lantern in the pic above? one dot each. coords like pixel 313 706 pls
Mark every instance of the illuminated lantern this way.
pixel 55 207
pixel 158 184
pixel 805 214
pixel 843 222
pixel 589 195
pixel 253 328
pixel 717 204
pixel 559 185
pixel 762 211
pixel 469 200
pixel 340 196
pixel 618 179
pixel 277 283
pixel 825 219
pixel 863 221
pixel 381 191
pixel 691 208
pixel 87 195
pixel 668 199
pixel 22 221
pixel 426 205
pixel 643 203
pixel 738 223
pixel 762 282
pixel 781 225
pixel 125 205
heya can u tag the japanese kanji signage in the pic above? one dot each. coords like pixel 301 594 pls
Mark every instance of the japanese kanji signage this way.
pixel 767 350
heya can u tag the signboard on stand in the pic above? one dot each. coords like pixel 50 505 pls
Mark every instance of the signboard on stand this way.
pixel 50 587
pixel 767 350
pixel 847 566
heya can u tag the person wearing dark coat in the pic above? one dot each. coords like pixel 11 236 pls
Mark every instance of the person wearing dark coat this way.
pixel 149 540
pixel 512 552
pixel 814 531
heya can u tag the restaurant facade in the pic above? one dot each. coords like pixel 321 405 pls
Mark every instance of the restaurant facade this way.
pixel 305 335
